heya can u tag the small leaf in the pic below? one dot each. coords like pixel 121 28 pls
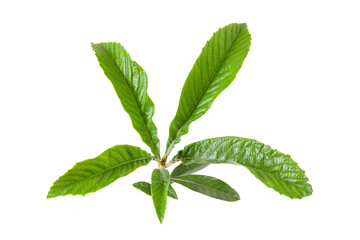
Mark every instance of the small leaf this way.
pixel 160 181
pixel 213 71
pixel 208 186
pixel 93 174
pixel 130 83
pixel 171 192
pixel 182 169
pixel 275 169
pixel 146 188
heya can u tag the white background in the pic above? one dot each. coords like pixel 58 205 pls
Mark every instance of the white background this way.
pixel 297 91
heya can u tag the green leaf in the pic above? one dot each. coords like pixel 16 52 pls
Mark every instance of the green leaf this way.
pixel 275 169
pixel 171 192
pixel 146 188
pixel 130 83
pixel 213 71
pixel 93 174
pixel 208 186
pixel 183 169
pixel 160 181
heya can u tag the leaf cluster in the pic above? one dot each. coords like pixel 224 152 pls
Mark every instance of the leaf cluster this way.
pixel 214 70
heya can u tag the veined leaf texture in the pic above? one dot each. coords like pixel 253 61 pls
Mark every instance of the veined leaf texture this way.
pixel 213 71
pixel 130 83
pixel 160 181
pixel 146 188
pixel 275 169
pixel 210 186
pixel 93 174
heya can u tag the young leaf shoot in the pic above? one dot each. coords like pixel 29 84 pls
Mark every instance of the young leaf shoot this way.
pixel 214 70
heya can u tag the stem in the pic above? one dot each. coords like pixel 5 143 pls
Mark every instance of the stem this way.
pixel 172 162
pixel 160 166
pixel 162 163
pixel 163 160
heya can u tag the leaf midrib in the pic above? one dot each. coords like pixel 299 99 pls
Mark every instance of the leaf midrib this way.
pixel 227 194
pixel 137 104
pixel 211 79
pixel 109 169
pixel 234 162
pixel 161 189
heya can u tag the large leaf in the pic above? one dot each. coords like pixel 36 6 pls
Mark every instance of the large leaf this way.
pixel 130 83
pixel 275 169
pixel 208 186
pixel 183 169
pixel 160 181
pixel 93 174
pixel 146 188
pixel 213 71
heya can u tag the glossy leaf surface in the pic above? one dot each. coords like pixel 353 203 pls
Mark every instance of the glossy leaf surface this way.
pixel 275 169
pixel 183 169
pixel 130 83
pixel 160 181
pixel 213 71
pixel 208 186
pixel 93 174
pixel 146 188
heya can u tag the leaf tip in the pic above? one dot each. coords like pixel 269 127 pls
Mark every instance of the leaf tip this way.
pixel 309 190
pixel 161 219
pixel 50 195
pixel 236 197
pixel 306 191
